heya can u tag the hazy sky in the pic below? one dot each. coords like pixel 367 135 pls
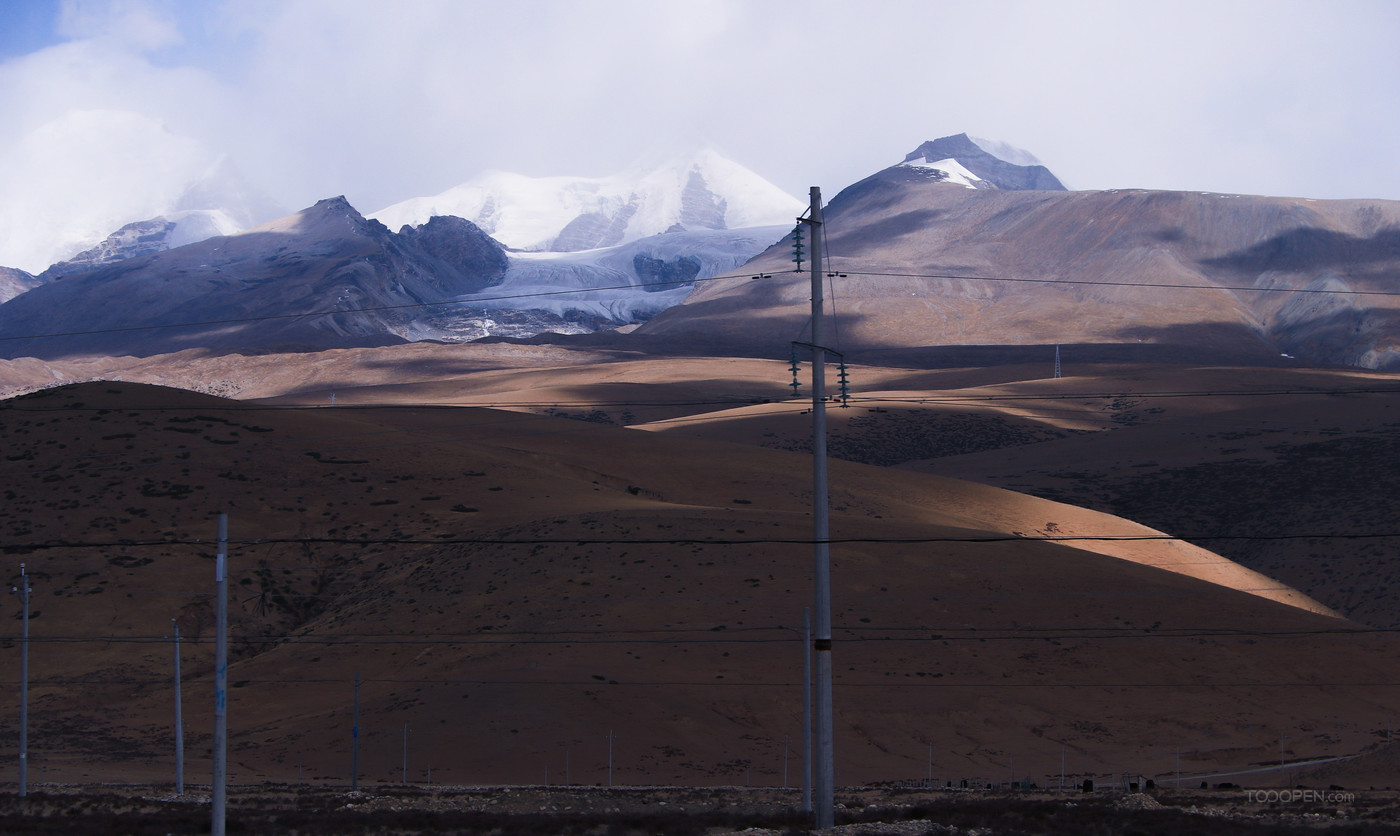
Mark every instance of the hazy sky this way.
pixel 117 103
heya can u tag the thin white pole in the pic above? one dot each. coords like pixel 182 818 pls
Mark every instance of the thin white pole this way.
pixel 219 789
pixel 24 593
pixel 825 765
pixel 405 754
pixel 179 720
pixel 610 753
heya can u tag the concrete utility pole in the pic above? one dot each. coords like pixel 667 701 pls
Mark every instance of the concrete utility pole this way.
pixel 179 720
pixel 24 591
pixel 821 644
pixel 219 790
pixel 355 740
pixel 806 709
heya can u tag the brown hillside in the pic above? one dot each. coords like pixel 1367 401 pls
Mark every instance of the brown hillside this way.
pixel 513 588
pixel 1172 274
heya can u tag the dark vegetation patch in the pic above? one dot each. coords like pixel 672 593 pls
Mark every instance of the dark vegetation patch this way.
pixel 677 811
pixel 1337 486
pixel 887 437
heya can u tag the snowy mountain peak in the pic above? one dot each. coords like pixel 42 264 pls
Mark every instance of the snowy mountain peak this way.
pixel 704 190
pixel 982 164
pixel 158 234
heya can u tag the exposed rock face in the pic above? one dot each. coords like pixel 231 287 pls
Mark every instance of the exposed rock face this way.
pixel 454 247
pixel 134 239
pixel 993 170
pixel 14 281
pixel 700 207
pixel 656 274
pixel 592 230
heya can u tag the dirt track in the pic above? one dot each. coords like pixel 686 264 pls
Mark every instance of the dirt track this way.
pixel 282 809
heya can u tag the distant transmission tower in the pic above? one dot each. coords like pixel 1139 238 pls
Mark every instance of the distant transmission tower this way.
pixel 1057 361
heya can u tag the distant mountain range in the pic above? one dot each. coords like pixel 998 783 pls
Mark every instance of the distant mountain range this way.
pixel 963 242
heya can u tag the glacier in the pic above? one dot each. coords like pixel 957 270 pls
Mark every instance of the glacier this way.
pixel 603 283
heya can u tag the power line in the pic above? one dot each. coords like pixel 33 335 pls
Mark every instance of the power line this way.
pixel 924 682
pixel 1161 285
pixel 13 547
pixel 850 635
pixel 643 285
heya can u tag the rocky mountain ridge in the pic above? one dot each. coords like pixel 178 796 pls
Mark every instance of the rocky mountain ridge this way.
pixel 1205 277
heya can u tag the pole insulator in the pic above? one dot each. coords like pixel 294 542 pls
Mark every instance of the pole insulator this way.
pixel 797 245
pixel 844 379
pixel 794 367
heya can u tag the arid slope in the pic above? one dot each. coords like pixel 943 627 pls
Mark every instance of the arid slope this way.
pixel 514 588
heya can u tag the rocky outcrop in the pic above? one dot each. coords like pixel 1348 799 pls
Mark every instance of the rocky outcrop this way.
pixel 656 274
pixel 700 207
pixel 993 170
pixel 14 281
pixel 456 254
pixel 134 239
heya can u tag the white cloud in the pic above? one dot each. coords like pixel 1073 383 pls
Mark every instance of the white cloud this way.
pixel 382 102
pixel 86 174
pixel 140 25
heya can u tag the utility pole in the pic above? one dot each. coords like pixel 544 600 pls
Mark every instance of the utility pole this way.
pixel 355 740
pixel 179 720
pixel 806 709
pixel 824 802
pixel 24 591
pixel 219 790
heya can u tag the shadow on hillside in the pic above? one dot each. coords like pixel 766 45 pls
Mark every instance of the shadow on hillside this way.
pixel 1308 249
pixel 882 234
pixel 1213 343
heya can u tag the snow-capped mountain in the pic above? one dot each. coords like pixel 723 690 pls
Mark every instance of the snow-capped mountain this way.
pixel 981 164
pixel 1122 275
pixel 151 236
pixel 570 214
pixel 608 252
